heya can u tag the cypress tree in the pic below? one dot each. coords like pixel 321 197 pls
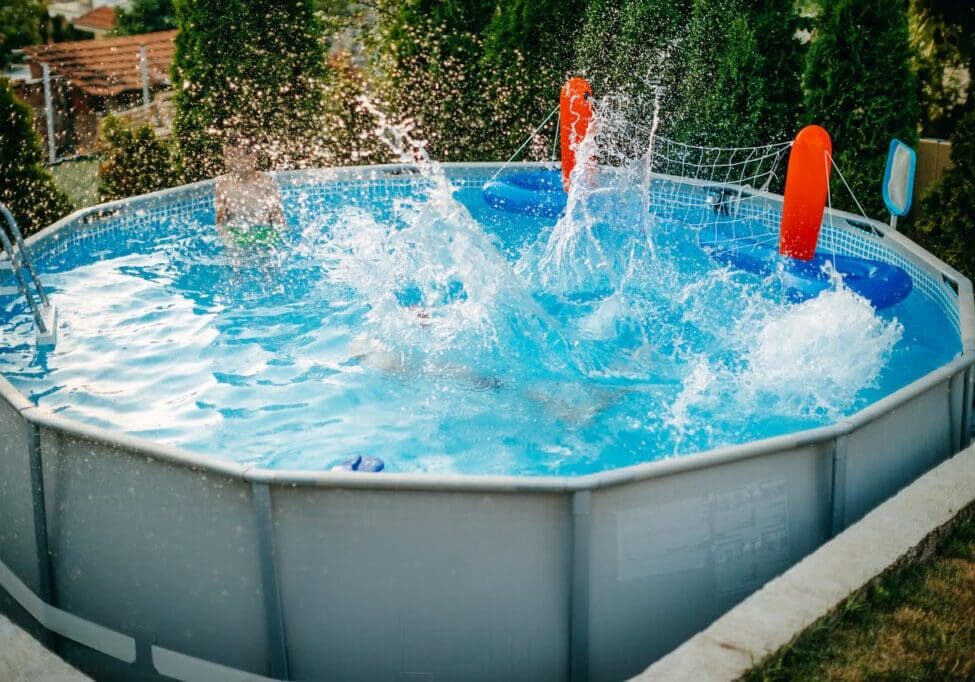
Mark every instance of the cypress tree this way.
pixel 742 86
pixel 429 54
pixel 632 48
pixel 26 187
pixel 860 87
pixel 254 66
pixel 528 52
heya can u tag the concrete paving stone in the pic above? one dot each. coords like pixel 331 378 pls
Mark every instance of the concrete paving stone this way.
pixel 24 659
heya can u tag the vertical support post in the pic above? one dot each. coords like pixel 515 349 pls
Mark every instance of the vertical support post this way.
pixel 838 487
pixel 144 72
pixel 966 419
pixel 52 152
pixel 579 586
pixel 276 637
pixel 956 418
pixel 42 544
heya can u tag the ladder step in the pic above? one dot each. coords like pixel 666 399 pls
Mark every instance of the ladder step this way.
pixel 49 338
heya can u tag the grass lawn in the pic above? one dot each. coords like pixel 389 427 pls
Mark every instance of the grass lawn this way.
pixel 916 622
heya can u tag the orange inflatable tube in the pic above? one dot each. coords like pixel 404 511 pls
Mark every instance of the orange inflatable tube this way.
pixel 575 112
pixel 806 187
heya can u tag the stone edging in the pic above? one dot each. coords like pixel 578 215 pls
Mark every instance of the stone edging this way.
pixel 906 527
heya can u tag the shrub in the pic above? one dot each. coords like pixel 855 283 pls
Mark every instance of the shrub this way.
pixel 631 48
pixel 742 85
pixel 528 53
pixel 427 72
pixel 946 221
pixel 26 187
pixel 349 129
pixel 136 161
pixel 860 87
pixel 146 16
pixel 257 67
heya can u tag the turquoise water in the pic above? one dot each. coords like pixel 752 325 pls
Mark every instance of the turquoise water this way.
pixel 443 335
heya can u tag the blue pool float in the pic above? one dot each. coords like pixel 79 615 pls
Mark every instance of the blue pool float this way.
pixel 534 193
pixel 880 283
pixel 360 463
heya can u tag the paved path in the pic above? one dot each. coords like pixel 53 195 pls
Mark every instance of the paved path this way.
pixel 23 659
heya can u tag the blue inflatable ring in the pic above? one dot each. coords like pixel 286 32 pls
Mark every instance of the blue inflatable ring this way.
pixel 535 193
pixel 880 283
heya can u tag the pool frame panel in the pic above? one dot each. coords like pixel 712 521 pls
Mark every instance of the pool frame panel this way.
pixel 148 561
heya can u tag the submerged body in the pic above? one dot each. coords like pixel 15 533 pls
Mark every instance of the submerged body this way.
pixel 247 202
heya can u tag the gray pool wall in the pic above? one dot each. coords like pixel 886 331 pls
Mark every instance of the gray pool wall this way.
pixel 136 560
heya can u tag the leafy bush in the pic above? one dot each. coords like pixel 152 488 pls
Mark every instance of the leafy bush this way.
pixel 860 87
pixel 631 47
pixel 136 161
pixel 742 85
pixel 427 72
pixel 26 187
pixel 256 67
pixel 349 128
pixel 20 25
pixel 946 221
pixel 146 16
pixel 528 54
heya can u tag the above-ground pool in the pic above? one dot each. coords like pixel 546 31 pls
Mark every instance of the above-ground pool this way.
pixel 427 329
pixel 597 434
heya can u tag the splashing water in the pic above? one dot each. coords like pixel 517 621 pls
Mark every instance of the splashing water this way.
pixel 441 335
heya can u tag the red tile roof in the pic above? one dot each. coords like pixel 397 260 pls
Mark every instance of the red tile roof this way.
pixel 99 19
pixel 108 66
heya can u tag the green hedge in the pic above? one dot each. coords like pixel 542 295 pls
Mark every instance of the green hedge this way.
pixel 861 88
pixel 945 224
pixel 257 67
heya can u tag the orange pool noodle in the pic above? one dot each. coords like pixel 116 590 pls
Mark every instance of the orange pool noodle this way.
pixel 806 186
pixel 575 112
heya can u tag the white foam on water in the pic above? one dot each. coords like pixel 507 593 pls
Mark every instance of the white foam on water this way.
pixel 814 357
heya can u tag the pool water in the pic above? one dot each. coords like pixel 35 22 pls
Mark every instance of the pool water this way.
pixel 440 334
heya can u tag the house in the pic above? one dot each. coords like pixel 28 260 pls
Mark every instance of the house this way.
pixel 92 78
pixel 99 21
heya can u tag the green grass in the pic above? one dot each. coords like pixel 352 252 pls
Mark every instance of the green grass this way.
pixel 79 180
pixel 915 622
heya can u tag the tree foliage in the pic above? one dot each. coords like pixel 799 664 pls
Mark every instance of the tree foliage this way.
pixel 136 161
pixel 20 25
pixel 742 85
pixel 946 220
pixel 251 66
pixel 350 128
pixel 146 16
pixel 428 57
pixel 528 53
pixel 26 187
pixel 941 34
pixel 634 48
pixel 860 87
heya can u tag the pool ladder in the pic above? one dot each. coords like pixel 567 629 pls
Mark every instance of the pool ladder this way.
pixel 16 258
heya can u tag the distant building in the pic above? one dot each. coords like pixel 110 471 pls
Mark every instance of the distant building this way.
pixel 74 9
pixel 99 21
pixel 92 78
